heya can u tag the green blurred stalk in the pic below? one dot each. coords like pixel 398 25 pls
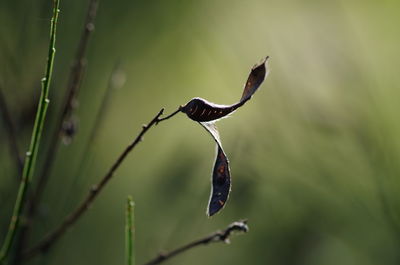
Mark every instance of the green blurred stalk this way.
pixel 129 232
pixel 31 155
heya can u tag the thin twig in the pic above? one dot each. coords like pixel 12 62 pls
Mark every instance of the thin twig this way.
pixel 170 115
pixel 218 236
pixel 52 237
pixel 75 79
pixel 129 232
pixel 10 128
pixel 31 155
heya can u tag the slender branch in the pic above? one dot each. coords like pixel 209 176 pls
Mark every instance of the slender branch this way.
pixel 170 115
pixel 218 236
pixel 129 232
pixel 10 128
pixel 75 78
pixel 31 155
pixel 52 237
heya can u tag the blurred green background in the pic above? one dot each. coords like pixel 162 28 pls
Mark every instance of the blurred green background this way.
pixel 314 155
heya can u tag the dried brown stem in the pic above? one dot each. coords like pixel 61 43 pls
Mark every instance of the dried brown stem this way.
pixel 170 115
pixel 52 237
pixel 218 236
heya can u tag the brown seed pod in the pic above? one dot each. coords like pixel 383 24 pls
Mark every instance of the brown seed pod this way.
pixel 221 177
pixel 206 113
pixel 201 110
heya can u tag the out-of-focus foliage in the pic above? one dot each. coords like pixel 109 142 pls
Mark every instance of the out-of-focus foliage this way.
pixel 314 156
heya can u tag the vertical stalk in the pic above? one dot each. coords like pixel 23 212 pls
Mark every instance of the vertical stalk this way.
pixel 67 107
pixel 31 155
pixel 129 232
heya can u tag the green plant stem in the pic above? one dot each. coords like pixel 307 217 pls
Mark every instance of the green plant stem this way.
pixel 75 79
pixel 129 232
pixel 31 155
pixel 51 238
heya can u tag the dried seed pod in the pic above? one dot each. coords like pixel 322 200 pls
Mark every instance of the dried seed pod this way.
pixel 221 177
pixel 220 183
pixel 201 110
pixel 257 75
pixel 206 113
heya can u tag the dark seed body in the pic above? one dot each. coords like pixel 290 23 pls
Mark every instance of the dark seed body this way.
pixel 221 183
pixel 206 113
pixel 221 177
pixel 201 110
pixel 255 79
